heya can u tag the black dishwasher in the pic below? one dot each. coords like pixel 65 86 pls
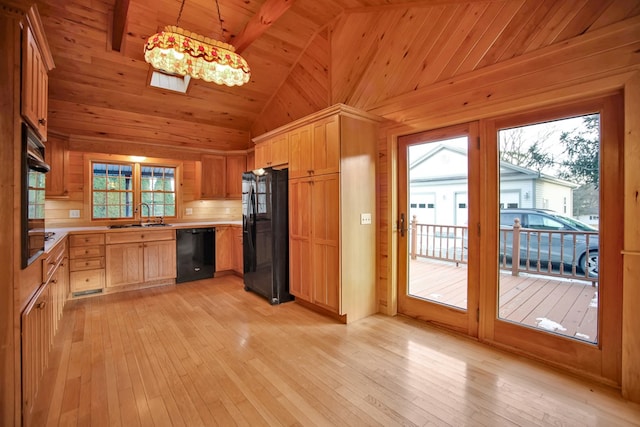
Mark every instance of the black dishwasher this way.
pixel 196 253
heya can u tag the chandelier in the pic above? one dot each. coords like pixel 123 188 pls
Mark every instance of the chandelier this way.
pixel 180 52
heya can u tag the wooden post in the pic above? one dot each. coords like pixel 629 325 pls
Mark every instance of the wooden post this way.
pixel 515 253
pixel 414 237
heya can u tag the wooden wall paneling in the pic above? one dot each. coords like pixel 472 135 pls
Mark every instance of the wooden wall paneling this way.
pixel 617 10
pixel 348 67
pixel 98 122
pixel 558 17
pixel 471 45
pixel 631 252
pixel 583 20
pixel 490 27
pixel 544 64
pixel 464 20
pixel 532 22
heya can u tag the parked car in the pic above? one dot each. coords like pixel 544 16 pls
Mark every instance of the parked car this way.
pixel 549 236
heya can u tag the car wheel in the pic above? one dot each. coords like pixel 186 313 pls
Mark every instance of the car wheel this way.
pixel 589 264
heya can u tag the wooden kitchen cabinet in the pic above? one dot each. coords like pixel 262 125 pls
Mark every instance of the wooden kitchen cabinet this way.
pixel 159 260
pixel 236 165
pixel 220 177
pixel 212 177
pixel 332 255
pixel 86 263
pixel 36 63
pixel 57 156
pixel 315 150
pixel 273 152
pixel 224 248
pixel 125 264
pixel 238 260
pixel 138 257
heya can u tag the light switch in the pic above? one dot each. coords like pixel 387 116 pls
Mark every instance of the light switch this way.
pixel 188 211
pixel 74 213
pixel 365 219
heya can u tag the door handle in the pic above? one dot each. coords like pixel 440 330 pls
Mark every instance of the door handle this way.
pixel 401 222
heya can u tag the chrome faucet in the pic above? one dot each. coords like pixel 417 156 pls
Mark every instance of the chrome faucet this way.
pixel 139 206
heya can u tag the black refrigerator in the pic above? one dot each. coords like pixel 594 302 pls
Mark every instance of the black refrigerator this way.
pixel 265 237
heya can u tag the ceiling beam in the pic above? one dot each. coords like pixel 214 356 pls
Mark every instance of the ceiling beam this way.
pixel 120 12
pixel 269 12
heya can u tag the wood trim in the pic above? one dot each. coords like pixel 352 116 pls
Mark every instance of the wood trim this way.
pixel 341 109
pixel 631 250
pixel 412 4
pixel 33 17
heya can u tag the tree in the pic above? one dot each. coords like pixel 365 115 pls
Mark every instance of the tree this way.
pixel 582 152
pixel 512 148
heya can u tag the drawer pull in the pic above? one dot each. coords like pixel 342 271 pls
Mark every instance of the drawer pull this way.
pixel 41 305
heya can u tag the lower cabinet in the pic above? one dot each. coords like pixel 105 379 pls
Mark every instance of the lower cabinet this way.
pixel 140 257
pixel 224 248
pixel 86 263
pixel 238 261
pixel 39 324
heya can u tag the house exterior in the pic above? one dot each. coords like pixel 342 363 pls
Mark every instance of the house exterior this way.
pixel 515 61
pixel 438 185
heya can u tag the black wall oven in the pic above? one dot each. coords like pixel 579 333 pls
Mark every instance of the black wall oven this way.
pixel 34 169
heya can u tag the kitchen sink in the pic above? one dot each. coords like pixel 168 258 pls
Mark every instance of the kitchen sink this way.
pixel 139 225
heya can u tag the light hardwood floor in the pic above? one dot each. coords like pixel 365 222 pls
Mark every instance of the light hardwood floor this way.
pixel 209 353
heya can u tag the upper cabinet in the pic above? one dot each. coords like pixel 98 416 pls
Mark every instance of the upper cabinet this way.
pixel 220 176
pixel 36 63
pixel 57 156
pixel 272 152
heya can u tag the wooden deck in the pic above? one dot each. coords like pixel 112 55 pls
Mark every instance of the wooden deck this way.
pixel 566 307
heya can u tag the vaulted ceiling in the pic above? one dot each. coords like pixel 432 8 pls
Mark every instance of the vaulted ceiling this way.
pixel 318 52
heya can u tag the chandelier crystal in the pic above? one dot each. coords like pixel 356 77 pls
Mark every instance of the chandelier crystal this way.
pixel 179 52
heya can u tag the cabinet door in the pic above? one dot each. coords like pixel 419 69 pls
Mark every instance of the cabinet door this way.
pixel 237 250
pixel 57 155
pixel 280 150
pixel 262 155
pixel 326 146
pixel 124 264
pixel 159 260
pixel 300 273
pixel 34 85
pixel 300 154
pixel 212 177
pixel 325 231
pixel 224 249
pixel 236 165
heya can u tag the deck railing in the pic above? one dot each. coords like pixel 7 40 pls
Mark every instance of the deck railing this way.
pixel 547 252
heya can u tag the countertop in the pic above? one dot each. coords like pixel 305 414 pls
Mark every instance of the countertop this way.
pixel 61 233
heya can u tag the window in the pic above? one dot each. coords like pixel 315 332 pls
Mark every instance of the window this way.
pixel 159 190
pixel 118 189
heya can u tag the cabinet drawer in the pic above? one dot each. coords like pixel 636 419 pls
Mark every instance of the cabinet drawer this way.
pixel 86 252
pixel 86 264
pixel 53 259
pixel 86 280
pixel 140 236
pixel 86 239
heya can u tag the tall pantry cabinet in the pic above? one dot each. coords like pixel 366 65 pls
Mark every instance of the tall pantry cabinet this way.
pixel 332 158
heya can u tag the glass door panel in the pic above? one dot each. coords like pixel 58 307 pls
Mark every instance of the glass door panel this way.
pixel 434 197
pixel 549 220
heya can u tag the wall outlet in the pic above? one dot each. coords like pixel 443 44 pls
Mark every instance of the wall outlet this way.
pixel 188 211
pixel 365 219
pixel 74 213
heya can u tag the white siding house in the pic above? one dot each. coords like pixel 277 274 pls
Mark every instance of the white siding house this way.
pixel 438 188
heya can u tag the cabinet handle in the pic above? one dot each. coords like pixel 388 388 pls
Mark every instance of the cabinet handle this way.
pixel 42 121
pixel 41 305
pixel 54 281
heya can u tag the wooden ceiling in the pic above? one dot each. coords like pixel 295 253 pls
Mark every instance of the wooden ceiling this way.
pixel 359 52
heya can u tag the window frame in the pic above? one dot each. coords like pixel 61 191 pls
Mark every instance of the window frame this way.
pixel 137 163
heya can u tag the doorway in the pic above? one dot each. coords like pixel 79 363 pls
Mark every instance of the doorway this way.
pixel 525 275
